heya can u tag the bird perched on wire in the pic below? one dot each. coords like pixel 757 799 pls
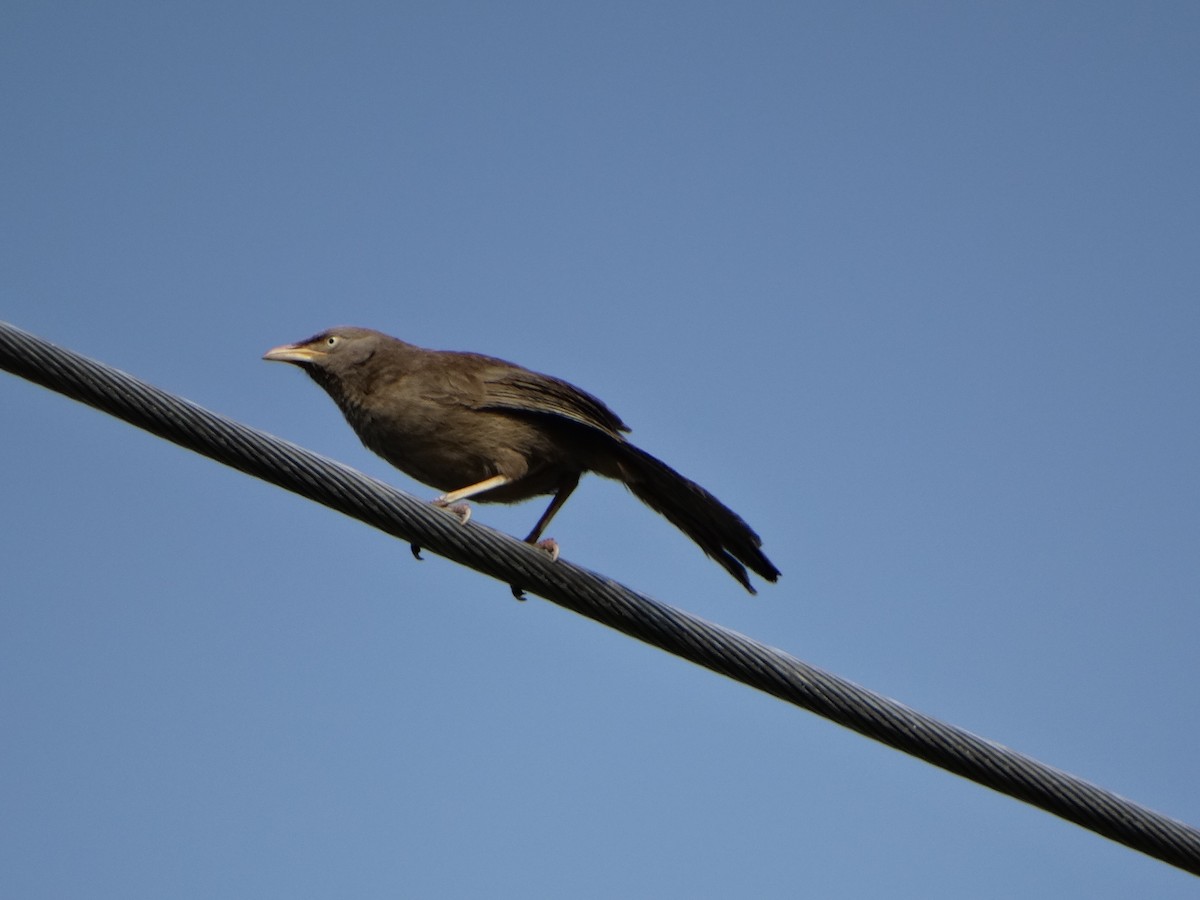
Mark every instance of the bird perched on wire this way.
pixel 475 426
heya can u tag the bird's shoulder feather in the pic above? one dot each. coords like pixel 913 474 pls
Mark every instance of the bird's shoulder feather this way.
pixel 505 386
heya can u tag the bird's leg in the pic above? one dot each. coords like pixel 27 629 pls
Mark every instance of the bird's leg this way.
pixel 549 545
pixel 449 501
pixel 560 497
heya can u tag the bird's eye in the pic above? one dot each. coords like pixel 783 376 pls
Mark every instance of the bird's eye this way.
pixel 331 341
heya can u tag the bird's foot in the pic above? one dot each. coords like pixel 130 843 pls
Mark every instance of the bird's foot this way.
pixel 461 510
pixel 550 545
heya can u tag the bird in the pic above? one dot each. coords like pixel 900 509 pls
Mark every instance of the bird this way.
pixel 474 426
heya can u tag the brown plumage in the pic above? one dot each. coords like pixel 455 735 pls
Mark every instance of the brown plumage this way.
pixel 475 426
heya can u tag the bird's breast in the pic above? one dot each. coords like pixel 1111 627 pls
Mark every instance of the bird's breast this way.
pixel 450 447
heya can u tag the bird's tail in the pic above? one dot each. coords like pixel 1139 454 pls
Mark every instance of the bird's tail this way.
pixel 717 529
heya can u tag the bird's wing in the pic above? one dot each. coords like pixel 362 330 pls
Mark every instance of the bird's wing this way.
pixel 514 388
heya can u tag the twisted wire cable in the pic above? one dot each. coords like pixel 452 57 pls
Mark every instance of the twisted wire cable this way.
pixel 602 599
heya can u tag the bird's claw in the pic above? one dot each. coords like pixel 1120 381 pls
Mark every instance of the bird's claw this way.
pixel 461 510
pixel 550 546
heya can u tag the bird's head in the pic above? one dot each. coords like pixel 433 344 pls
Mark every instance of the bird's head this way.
pixel 334 349
pixel 337 359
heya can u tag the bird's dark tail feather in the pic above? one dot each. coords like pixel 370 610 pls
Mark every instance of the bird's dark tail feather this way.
pixel 718 530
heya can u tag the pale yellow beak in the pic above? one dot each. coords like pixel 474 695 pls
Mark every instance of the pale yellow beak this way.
pixel 292 353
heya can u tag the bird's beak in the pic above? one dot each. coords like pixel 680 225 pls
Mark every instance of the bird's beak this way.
pixel 293 353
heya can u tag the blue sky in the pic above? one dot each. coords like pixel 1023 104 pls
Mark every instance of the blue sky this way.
pixel 915 288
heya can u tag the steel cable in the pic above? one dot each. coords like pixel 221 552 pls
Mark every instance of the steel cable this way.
pixel 514 562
